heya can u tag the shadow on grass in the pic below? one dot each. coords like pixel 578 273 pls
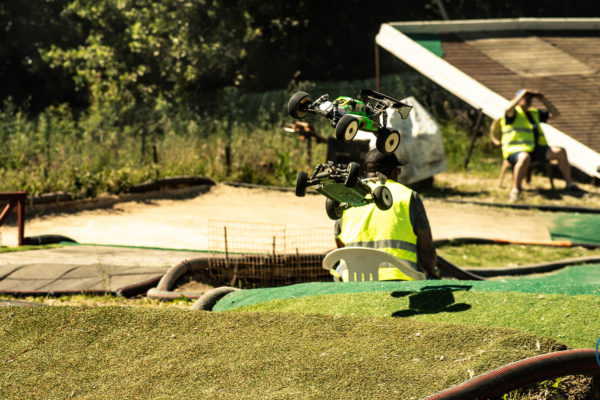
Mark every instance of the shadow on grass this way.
pixel 432 300
pixel 558 194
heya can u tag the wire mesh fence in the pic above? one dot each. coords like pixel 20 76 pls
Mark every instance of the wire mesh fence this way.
pixel 265 255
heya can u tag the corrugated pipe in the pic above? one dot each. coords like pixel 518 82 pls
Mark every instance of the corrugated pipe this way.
pixel 522 374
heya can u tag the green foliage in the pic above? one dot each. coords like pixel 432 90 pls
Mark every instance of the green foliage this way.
pixel 162 88
pixel 484 157
pixel 137 51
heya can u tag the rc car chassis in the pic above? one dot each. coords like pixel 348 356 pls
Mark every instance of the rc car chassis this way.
pixel 343 188
pixel 348 115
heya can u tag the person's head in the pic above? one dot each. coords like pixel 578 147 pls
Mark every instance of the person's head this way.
pixel 525 101
pixel 387 164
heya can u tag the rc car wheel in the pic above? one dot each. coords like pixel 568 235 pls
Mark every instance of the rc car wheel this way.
pixel 333 208
pixel 353 172
pixel 387 141
pixel 383 197
pixel 346 128
pixel 298 103
pixel 301 180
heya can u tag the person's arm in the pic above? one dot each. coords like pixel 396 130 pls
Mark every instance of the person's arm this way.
pixel 510 110
pixel 493 129
pixel 552 110
pixel 426 253
pixel 337 229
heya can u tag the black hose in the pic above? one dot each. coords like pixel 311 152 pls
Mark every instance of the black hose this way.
pixel 532 269
pixel 523 373
pixel 46 239
pixel 457 272
pixel 482 273
pixel 474 240
pixel 541 207
pixel 209 299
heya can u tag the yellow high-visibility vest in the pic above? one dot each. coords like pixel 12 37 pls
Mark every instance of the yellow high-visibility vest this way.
pixel 518 136
pixel 389 230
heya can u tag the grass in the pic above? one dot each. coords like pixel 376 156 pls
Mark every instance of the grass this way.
pixel 94 300
pixel 126 353
pixel 493 255
pixel 569 319
pixel 479 184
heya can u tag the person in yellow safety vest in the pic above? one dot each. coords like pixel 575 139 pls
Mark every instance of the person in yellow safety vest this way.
pixel 403 230
pixel 523 140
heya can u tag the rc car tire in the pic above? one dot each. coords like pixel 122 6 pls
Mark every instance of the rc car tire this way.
pixel 353 172
pixel 346 128
pixel 298 103
pixel 387 141
pixel 383 197
pixel 301 180
pixel 333 209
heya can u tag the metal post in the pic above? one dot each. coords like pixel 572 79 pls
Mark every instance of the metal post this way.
pixel 377 72
pixel 47 139
pixel 229 140
pixel 473 137
pixel 21 219
pixel 442 9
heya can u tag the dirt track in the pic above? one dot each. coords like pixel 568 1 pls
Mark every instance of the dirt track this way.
pixel 183 224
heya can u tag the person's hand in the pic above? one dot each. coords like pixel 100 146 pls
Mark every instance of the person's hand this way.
pixel 534 93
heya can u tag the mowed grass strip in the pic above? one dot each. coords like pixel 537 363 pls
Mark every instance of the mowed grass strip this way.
pixel 130 352
pixel 27 247
pixel 496 255
pixel 572 320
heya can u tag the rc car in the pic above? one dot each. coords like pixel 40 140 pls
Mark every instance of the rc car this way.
pixel 343 188
pixel 348 115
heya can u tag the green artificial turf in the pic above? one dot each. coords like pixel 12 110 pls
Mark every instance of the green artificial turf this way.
pixel 569 319
pixel 131 353
pixel 563 305
pixel 576 280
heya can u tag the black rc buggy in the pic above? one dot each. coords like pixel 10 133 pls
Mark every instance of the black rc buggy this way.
pixel 348 115
pixel 343 188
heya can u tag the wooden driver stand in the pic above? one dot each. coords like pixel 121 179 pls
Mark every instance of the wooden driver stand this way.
pixel 15 199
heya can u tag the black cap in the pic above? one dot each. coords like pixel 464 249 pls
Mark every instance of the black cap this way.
pixel 382 162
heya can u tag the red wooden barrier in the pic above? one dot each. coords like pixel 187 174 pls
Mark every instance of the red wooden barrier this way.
pixel 15 199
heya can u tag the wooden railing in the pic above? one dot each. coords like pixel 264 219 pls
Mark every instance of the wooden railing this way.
pixel 15 199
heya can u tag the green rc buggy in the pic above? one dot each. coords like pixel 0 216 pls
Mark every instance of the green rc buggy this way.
pixel 343 188
pixel 348 115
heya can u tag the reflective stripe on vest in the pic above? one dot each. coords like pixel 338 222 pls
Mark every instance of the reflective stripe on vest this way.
pixel 389 230
pixel 519 136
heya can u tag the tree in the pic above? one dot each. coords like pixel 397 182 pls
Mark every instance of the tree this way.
pixel 25 29
pixel 139 50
